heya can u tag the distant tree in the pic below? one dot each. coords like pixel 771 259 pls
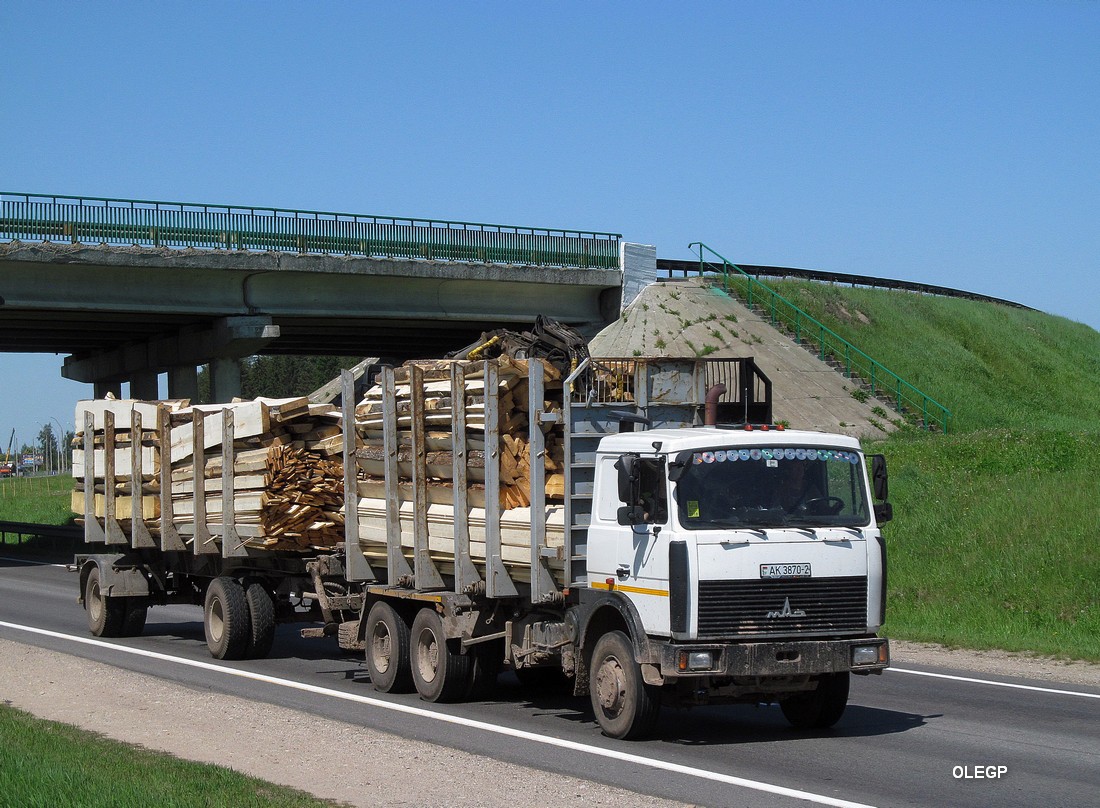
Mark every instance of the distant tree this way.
pixel 282 376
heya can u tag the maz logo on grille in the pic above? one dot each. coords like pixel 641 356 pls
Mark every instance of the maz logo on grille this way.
pixel 786 611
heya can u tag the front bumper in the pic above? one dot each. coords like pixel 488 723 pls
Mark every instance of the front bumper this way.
pixel 774 658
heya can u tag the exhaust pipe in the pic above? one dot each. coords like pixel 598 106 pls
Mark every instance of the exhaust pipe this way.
pixel 710 416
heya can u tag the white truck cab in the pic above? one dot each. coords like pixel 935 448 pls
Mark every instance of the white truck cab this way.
pixel 753 557
pixel 786 514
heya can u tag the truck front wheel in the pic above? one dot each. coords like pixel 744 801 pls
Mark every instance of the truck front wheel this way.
pixel 225 619
pixel 106 615
pixel 439 670
pixel 387 643
pixel 625 706
pixel 819 708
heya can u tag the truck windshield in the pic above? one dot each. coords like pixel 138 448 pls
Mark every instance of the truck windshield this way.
pixel 780 487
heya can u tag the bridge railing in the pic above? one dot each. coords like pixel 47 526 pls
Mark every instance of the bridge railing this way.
pixel 94 220
pixel 882 382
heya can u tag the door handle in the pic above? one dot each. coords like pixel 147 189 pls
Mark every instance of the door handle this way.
pixel 623 571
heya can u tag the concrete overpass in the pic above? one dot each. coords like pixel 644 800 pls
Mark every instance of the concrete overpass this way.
pixel 131 290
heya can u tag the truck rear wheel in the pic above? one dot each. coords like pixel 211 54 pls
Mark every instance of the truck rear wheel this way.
pixel 819 708
pixel 225 619
pixel 106 615
pixel 261 618
pixel 439 670
pixel 626 707
pixel 387 649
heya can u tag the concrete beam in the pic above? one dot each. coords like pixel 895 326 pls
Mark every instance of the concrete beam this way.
pixel 229 338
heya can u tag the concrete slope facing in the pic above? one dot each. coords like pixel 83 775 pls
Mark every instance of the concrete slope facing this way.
pixel 693 318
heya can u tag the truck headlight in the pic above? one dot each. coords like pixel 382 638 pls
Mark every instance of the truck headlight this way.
pixel 867 654
pixel 696 660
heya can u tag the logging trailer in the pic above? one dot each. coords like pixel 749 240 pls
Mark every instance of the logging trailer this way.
pixel 675 547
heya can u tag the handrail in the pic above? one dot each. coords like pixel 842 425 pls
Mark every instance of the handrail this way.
pixel 672 268
pixel 58 218
pixel 884 384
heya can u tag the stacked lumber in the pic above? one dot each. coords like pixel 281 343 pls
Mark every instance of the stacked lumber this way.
pixel 123 442
pixel 440 444
pixel 515 536
pixel 287 469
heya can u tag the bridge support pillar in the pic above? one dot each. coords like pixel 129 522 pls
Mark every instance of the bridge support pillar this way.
pixel 145 385
pixel 183 382
pixel 225 379
pixel 101 389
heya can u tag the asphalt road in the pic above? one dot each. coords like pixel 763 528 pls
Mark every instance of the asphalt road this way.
pixel 906 738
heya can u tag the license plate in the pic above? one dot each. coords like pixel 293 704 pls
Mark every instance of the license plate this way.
pixel 785 571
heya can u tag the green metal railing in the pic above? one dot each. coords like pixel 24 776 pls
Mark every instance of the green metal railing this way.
pixel 884 384
pixel 40 217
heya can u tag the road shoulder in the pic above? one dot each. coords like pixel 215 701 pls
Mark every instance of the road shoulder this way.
pixel 330 759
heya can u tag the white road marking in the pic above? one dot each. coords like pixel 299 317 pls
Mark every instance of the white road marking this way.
pixel 33 563
pixel 626 757
pixel 996 684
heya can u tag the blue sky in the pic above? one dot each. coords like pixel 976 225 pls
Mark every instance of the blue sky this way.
pixel 953 143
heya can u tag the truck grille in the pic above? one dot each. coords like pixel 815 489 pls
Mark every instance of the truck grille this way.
pixel 816 606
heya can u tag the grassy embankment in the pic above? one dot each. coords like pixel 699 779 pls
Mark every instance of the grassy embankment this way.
pixel 42 500
pixel 43 763
pixel 994 539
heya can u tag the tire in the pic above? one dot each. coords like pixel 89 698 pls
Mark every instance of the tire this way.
pixel 626 707
pixel 819 708
pixel 225 619
pixel 387 649
pixel 106 615
pixel 440 672
pixel 488 659
pixel 137 610
pixel 261 618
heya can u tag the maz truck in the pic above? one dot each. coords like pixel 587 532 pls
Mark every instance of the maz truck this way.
pixel 694 553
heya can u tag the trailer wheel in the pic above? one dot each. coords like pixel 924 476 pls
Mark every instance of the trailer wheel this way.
pixel 439 670
pixel 387 649
pixel 137 610
pixel 106 615
pixel 819 708
pixel 261 614
pixel 626 707
pixel 228 628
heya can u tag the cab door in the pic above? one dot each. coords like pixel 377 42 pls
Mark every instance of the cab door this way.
pixel 641 557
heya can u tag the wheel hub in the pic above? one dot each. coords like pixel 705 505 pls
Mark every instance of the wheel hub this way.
pixel 611 686
pixel 427 656
pixel 380 649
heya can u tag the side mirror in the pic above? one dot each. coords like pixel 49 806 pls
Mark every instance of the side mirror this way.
pixel 880 481
pixel 629 478
pixel 884 512
pixel 631 515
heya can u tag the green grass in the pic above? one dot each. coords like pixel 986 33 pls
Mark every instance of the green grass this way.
pixel 993 542
pixel 42 500
pixel 46 764
pixel 990 365
pixel 996 523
